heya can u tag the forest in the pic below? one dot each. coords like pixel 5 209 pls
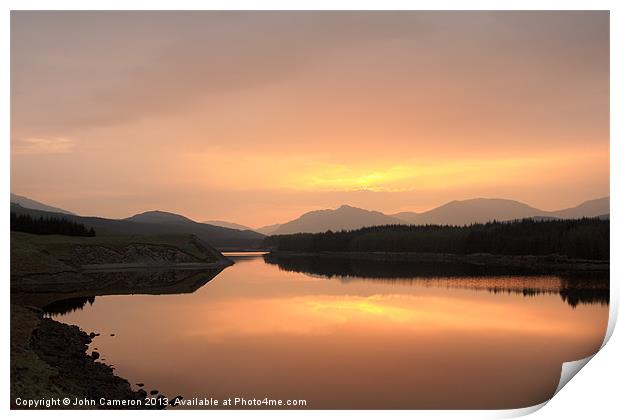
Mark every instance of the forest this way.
pixel 48 226
pixel 586 238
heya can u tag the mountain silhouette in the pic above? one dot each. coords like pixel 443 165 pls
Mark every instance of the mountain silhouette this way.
pixel 158 223
pixel 269 229
pixel 482 210
pixel 157 216
pixel 344 217
pixel 223 223
pixel 478 210
pixel 591 208
pixel 223 234
pixel 463 212
pixel 35 205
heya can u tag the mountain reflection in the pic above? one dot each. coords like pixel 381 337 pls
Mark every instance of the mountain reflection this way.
pixel 573 288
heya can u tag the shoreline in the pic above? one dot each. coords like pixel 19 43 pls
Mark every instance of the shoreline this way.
pixel 49 360
pixel 57 352
pixel 533 262
pixel 120 267
pixel 34 289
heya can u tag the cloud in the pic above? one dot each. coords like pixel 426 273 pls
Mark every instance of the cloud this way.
pixel 126 66
pixel 38 145
pixel 154 63
pixel 258 117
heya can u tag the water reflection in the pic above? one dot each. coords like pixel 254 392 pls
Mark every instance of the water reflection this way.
pixel 65 306
pixel 152 281
pixel 573 288
pixel 108 282
pixel 258 331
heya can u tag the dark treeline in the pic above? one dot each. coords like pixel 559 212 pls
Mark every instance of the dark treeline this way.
pixel 65 306
pixel 344 267
pixel 48 226
pixel 580 238
pixel 575 287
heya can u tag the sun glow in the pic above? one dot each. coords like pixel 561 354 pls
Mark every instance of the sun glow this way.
pixel 324 314
pixel 258 118
pixel 300 172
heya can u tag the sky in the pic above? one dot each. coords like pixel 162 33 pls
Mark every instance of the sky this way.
pixel 258 117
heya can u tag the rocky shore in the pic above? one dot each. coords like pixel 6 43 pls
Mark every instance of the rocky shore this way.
pixel 49 360
pixel 64 347
pixel 61 264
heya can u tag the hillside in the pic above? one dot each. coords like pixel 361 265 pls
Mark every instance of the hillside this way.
pixel 218 237
pixel 79 250
pixel 46 262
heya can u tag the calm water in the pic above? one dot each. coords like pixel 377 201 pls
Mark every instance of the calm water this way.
pixel 340 338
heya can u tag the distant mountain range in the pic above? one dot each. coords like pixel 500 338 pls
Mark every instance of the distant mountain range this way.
pixel 223 235
pixel 344 217
pixel 229 225
pixel 269 229
pixel 482 210
pixel 157 216
pixel 32 204
pixel 478 210
pixel 159 223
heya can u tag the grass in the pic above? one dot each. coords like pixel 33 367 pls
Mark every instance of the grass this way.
pixel 32 254
pixel 61 244
pixel 30 376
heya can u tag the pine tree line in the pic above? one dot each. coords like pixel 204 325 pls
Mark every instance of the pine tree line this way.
pixel 48 226
pixel 579 238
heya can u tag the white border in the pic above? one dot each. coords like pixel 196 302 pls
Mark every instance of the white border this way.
pixel 594 394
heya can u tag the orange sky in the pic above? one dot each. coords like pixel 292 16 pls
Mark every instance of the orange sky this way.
pixel 257 117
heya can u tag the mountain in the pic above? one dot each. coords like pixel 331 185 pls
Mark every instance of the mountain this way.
pixel 463 212
pixel 344 217
pixel 159 223
pixel 405 215
pixel 482 210
pixel 157 216
pixel 591 208
pixel 540 218
pixel 225 224
pixel 269 229
pixel 35 205
pixel 477 210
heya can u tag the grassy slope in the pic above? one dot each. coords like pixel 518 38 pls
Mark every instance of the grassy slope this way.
pixel 61 245
pixel 39 254
pixel 31 377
